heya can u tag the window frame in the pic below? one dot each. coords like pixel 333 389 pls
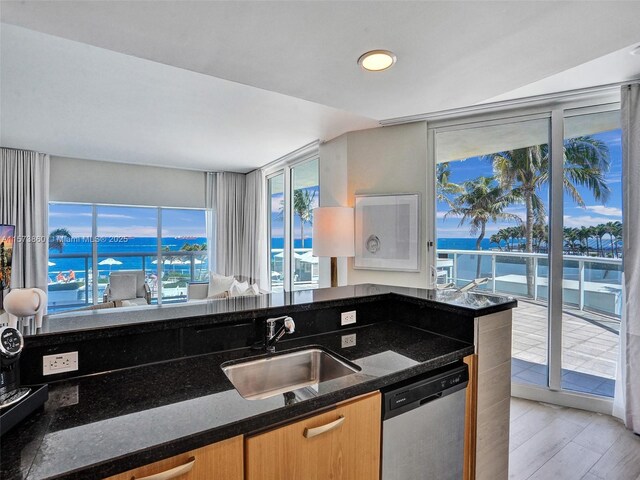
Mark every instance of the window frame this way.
pixel 284 166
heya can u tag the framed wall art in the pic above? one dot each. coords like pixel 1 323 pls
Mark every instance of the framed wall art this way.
pixel 388 232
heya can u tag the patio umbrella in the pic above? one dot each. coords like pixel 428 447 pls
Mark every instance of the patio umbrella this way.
pixel 309 258
pixel 51 264
pixel 110 261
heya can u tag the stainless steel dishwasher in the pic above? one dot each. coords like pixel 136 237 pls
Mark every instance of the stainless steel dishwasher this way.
pixel 423 426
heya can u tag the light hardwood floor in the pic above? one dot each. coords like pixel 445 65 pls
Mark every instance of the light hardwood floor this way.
pixel 548 442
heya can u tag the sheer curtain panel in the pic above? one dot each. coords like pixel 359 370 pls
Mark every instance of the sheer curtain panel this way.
pixel 229 212
pixel 24 198
pixel 254 259
pixel 627 401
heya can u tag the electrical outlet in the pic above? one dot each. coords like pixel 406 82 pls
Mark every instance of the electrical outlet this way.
pixel 60 363
pixel 65 396
pixel 347 318
pixel 349 340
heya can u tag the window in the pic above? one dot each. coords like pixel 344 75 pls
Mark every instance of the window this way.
pixel 276 231
pixel 305 188
pixel 70 256
pixel 550 235
pixel 168 244
pixel 184 252
pixel 292 194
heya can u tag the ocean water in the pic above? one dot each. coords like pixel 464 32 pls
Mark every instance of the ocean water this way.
pixel 76 255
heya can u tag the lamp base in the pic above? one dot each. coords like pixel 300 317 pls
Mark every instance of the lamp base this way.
pixel 334 271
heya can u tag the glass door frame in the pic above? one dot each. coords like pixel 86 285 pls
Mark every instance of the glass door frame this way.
pixel 556 112
pixel 285 166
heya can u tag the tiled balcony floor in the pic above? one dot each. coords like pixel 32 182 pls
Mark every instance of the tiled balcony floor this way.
pixel 590 348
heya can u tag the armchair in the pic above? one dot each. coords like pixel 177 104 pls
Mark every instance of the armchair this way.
pixel 129 286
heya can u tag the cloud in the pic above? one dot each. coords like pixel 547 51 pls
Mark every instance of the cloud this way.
pixel 441 214
pixel 586 220
pixel 602 210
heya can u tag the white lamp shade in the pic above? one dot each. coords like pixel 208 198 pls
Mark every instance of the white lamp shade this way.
pixel 333 232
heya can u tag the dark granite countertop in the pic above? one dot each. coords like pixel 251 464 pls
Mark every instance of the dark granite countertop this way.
pixel 103 424
pixel 76 325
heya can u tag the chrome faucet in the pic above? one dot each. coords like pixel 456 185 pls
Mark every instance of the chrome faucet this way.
pixel 272 335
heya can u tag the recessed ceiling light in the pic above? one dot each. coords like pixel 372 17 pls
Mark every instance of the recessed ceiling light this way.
pixel 377 60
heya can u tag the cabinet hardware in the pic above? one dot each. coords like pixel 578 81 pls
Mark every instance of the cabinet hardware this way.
pixel 172 473
pixel 312 432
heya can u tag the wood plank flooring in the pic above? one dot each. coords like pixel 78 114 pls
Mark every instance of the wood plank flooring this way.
pixel 549 442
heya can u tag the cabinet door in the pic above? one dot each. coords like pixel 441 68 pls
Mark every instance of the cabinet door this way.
pixel 340 444
pixel 219 461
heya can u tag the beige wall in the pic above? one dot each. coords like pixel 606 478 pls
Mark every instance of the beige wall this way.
pixel 89 181
pixel 380 160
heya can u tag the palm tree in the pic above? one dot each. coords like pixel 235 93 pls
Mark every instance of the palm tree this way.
pixel 57 238
pixel 444 188
pixel 483 199
pixel 526 170
pixel 614 230
pixel 496 238
pixel 303 207
pixel 586 160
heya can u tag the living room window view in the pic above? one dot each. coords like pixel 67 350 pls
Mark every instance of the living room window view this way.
pixel 168 246
pixel 309 240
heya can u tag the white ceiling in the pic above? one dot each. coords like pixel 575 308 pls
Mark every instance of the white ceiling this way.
pixel 152 93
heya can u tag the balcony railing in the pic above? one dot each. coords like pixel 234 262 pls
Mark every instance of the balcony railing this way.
pixel 589 283
pixel 178 269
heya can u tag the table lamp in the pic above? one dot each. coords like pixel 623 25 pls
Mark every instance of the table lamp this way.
pixel 333 235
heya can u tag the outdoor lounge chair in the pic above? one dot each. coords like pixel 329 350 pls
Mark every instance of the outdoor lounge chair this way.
pixel 128 286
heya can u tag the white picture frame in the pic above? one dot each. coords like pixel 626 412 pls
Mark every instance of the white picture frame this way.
pixel 387 232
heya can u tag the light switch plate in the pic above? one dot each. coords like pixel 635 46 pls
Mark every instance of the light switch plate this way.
pixel 347 318
pixel 59 363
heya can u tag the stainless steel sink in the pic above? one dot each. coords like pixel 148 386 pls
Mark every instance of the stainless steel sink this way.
pixel 269 376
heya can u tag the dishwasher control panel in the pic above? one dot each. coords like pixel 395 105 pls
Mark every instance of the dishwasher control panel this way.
pixel 424 390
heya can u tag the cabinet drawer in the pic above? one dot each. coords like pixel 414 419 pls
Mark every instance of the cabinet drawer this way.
pixel 219 461
pixel 341 444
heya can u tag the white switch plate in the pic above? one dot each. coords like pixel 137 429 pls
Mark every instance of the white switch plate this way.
pixel 349 340
pixel 60 363
pixel 347 318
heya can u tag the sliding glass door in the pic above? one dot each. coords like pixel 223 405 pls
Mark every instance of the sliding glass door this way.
pixel 592 273
pixel 275 221
pixel 542 221
pixel 491 222
pixel 292 194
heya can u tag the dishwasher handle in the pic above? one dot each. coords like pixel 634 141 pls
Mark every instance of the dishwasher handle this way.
pixel 431 398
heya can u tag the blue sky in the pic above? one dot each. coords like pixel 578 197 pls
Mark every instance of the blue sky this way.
pixel 141 222
pixel 593 213
pixel 126 221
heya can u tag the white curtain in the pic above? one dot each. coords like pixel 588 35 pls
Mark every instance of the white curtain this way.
pixel 229 212
pixel 253 263
pixel 627 400
pixel 238 225
pixel 24 198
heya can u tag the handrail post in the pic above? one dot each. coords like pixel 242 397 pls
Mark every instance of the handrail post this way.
pixel 455 269
pixel 193 264
pixel 493 272
pixel 581 285
pixel 535 278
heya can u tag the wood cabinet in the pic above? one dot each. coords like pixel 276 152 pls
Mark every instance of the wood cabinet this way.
pixel 490 369
pixel 219 461
pixel 341 444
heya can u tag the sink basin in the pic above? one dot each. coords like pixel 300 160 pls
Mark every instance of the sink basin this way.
pixel 269 376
